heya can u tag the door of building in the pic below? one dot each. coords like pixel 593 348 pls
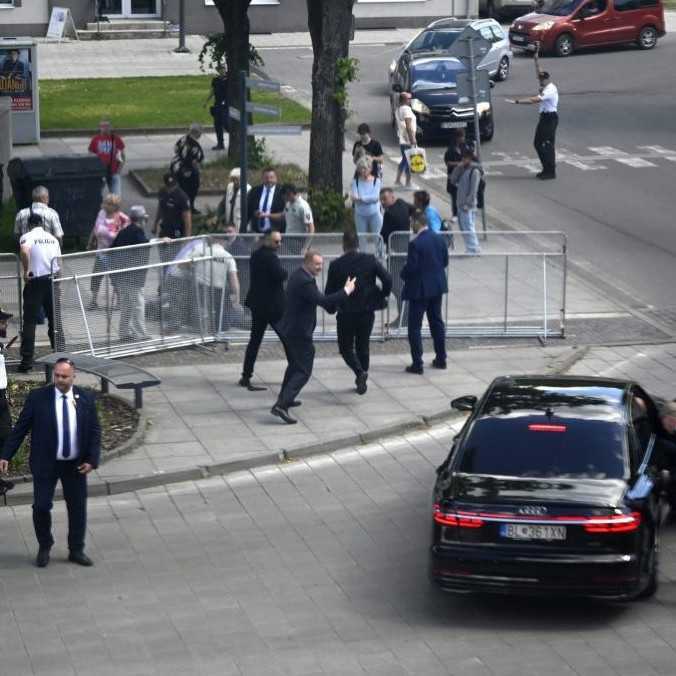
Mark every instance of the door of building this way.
pixel 130 9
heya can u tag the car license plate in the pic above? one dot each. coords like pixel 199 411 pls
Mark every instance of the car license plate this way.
pixel 526 531
pixel 453 125
pixel 518 38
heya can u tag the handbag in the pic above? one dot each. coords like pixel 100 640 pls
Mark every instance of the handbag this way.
pixel 417 160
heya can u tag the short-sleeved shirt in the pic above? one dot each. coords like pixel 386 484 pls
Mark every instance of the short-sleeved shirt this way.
pixel 51 222
pixel 549 99
pixel 405 113
pixel 44 248
pixel 187 151
pixel 372 149
pixel 108 148
pixel 172 205
pixel 298 216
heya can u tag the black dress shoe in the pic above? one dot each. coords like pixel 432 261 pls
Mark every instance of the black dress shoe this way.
pixel 80 558
pixel 361 383
pixel 283 414
pixel 418 370
pixel 246 382
pixel 439 364
pixel 42 559
pixel 546 177
pixel 295 403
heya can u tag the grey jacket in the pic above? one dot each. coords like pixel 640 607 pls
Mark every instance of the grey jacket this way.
pixel 467 181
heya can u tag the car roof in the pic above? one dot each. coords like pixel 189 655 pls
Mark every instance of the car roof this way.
pixel 441 24
pixel 578 396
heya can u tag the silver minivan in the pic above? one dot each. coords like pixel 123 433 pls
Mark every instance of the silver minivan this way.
pixel 440 35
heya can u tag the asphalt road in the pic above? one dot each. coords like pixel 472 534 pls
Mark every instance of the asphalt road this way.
pixel 614 194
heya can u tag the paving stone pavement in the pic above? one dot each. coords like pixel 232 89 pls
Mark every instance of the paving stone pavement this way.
pixel 312 567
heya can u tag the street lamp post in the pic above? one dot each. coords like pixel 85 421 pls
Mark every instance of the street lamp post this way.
pixel 181 49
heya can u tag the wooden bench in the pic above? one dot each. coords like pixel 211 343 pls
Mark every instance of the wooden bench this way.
pixel 124 376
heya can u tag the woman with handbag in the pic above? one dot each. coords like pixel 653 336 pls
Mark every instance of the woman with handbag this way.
pixel 365 195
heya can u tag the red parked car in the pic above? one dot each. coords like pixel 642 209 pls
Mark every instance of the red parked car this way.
pixel 562 26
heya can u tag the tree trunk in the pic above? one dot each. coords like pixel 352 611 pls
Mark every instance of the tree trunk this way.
pixel 330 23
pixel 234 14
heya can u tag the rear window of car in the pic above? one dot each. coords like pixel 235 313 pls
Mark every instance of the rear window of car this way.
pixel 541 447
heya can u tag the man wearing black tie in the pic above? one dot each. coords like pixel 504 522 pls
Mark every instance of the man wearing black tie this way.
pixel 65 446
pixel 265 204
pixel 298 325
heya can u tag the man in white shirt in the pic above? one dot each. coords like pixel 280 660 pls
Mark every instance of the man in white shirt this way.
pixel 407 125
pixel 299 221
pixel 39 251
pixel 50 218
pixel 545 132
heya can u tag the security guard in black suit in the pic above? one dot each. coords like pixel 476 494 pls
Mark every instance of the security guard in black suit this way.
pixel 219 111
pixel 357 315
pixel 298 325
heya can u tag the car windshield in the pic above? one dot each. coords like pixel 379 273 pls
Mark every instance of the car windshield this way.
pixel 434 75
pixel 559 7
pixel 437 40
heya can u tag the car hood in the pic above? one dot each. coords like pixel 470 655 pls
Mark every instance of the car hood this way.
pixel 529 20
pixel 493 489
pixel 436 97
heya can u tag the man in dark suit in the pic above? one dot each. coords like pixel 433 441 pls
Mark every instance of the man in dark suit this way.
pixel 266 204
pixel 265 299
pixel 65 446
pixel 425 284
pixel 357 315
pixel 298 325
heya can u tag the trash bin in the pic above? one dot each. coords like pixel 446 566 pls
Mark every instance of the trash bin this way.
pixel 74 185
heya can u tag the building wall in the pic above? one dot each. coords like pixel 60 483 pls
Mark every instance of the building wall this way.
pixel 31 18
pixel 409 13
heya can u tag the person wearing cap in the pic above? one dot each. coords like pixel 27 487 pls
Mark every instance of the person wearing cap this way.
pixel 188 158
pixel 40 205
pixel 219 111
pixel 129 285
pixel 173 218
pixel 39 251
pixel 545 133
pixel 229 210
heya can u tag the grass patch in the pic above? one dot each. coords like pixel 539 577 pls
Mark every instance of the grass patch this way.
pixel 143 103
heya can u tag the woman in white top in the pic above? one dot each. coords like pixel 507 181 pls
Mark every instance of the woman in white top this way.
pixel 406 130
pixel 365 195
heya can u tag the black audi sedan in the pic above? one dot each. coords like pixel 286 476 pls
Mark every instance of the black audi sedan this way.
pixel 553 485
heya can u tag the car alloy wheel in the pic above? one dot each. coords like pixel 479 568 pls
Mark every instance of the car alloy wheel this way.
pixel 503 69
pixel 564 45
pixel 647 38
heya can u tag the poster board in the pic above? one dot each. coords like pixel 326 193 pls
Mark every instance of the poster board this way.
pixel 59 21
pixel 16 77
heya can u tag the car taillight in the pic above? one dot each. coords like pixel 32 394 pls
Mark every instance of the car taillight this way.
pixel 459 519
pixel 615 523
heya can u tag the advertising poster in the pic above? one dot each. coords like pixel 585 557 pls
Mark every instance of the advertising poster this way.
pixel 16 78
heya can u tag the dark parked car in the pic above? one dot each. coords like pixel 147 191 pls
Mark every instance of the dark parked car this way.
pixel 431 79
pixel 553 485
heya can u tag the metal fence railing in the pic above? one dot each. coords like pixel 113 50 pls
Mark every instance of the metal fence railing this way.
pixel 11 286
pixel 166 294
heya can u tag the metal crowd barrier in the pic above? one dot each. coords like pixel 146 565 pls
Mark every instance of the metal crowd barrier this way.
pixel 11 286
pixel 168 294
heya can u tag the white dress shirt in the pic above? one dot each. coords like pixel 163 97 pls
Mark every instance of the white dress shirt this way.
pixel 44 249
pixel 265 204
pixel 72 424
pixel 549 99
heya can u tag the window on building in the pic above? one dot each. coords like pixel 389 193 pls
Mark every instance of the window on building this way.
pixel 6 3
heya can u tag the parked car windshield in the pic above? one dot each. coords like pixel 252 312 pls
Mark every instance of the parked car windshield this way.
pixel 434 75
pixel 437 40
pixel 559 7
pixel 537 446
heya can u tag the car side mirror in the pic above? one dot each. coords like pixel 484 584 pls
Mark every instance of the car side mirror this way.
pixel 397 88
pixel 466 403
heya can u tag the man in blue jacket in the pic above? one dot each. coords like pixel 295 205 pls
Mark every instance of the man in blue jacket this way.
pixel 65 446
pixel 425 284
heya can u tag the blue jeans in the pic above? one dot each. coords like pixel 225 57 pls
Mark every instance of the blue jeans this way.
pixel 368 221
pixel 403 165
pixel 416 310
pixel 466 222
pixel 113 185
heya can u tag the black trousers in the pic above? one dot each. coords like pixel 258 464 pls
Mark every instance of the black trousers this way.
pixel 432 308
pixel 300 354
pixel 5 417
pixel 354 334
pixel 74 487
pixel 544 141
pixel 259 324
pixel 220 116
pixel 190 185
pixel 453 192
pixel 37 294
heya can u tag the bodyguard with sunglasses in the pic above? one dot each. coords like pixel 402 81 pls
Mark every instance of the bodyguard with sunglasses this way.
pixel 65 447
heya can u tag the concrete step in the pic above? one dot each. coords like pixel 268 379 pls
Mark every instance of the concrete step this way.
pixel 127 24
pixel 133 34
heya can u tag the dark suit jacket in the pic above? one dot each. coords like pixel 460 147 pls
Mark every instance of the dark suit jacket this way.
pixel 302 299
pixel 253 199
pixel 367 296
pixel 424 273
pixel 266 286
pixel 39 418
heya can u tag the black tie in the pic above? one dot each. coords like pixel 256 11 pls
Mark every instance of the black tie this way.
pixel 66 428
pixel 231 219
